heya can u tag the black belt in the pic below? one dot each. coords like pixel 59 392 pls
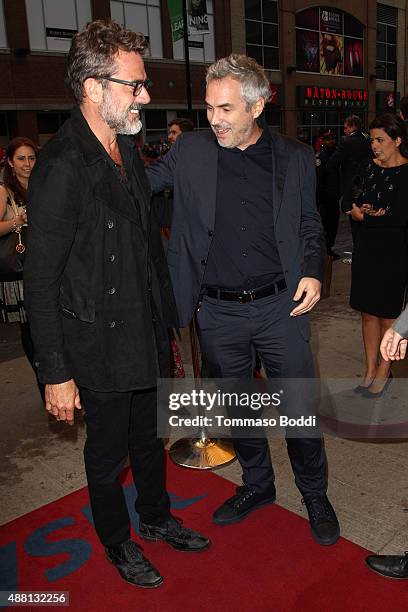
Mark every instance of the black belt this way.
pixel 242 297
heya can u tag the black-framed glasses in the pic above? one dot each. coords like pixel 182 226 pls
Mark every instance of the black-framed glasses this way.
pixel 137 85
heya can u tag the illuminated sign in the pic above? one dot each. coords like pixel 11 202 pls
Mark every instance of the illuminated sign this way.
pixel 332 97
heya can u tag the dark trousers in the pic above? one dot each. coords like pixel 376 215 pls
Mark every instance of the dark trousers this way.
pixel 230 333
pixel 330 214
pixel 118 424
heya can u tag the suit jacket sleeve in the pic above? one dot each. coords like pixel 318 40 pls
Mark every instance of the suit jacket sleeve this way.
pixel 311 230
pixel 401 324
pixel 161 172
pixel 52 220
pixel 333 171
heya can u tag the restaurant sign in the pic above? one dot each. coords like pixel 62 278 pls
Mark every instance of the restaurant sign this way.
pixel 332 97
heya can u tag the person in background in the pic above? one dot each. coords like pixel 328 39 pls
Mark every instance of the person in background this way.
pixel 328 206
pixel 177 127
pixel 393 348
pixel 404 110
pixel 21 155
pixel 344 162
pixel 379 270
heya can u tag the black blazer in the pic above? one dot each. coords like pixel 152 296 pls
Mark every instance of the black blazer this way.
pixel 344 162
pixel 94 266
pixel 190 167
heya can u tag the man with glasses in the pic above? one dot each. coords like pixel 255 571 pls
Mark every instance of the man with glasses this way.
pixel 99 297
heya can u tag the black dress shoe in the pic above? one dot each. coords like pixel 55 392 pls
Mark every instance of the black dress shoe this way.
pixel 133 566
pixel 323 520
pixel 245 501
pixel 173 532
pixel 390 566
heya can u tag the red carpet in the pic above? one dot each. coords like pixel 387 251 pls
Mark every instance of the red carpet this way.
pixel 269 562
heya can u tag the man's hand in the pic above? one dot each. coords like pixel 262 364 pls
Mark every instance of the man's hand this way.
pixel 393 346
pixel 62 399
pixel 311 288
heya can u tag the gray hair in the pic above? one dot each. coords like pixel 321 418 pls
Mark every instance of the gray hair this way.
pixel 247 72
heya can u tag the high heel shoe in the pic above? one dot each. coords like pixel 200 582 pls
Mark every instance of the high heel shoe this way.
pixel 370 394
pixel 361 388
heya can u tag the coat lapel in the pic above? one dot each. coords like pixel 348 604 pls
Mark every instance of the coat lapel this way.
pixel 280 162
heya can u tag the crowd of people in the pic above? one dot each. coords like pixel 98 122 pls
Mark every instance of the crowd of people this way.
pixel 246 257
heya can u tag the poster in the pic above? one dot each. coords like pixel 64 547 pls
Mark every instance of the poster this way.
pixel 307 51
pixel 353 57
pixel 331 21
pixel 331 54
pixel 197 17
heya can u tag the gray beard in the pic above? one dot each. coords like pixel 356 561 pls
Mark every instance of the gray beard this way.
pixel 119 124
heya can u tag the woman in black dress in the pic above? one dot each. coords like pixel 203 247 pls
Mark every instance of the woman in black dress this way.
pixel 380 255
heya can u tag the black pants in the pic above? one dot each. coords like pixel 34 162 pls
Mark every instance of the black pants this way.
pixel 230 333
pixel 330 214
pixel 119 424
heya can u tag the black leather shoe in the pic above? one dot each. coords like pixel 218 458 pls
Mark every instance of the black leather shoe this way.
pixel 390 566
pixel 179 537
pixel 323 520
pixel 133 566
pixel 245 501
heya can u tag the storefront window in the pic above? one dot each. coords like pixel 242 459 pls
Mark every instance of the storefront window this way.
pixel 262 32
pixel 3 37
pixel 387 21
pixel 311 124
pixel 48 123
pixel 52 23
pixel 141 16
pixel 329 41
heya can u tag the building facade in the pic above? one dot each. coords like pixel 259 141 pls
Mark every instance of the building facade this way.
pixel 35 37
pixel 327 60
pixel 324 61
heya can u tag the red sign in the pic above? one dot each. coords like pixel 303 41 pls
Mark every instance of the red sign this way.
pixel 334 93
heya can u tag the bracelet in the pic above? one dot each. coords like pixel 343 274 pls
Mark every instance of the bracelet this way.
pixel 16 228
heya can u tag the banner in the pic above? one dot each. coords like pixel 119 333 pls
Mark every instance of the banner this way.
pixel 197 17
pixel 176 19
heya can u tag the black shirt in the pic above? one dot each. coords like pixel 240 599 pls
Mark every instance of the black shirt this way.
pixel 244 253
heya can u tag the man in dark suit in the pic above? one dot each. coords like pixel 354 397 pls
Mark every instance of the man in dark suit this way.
pixel 343 164
pixel 98 295
pixel 247 244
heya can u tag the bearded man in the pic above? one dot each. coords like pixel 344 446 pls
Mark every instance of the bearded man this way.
pixel 99 297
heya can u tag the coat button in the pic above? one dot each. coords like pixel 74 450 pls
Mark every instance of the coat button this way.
pixel 112 290
pixel 243 228
pixel 203 262
pixel 244 254
pixel 112 324
pixel 210 233
pixel 110 224
pixel 111 257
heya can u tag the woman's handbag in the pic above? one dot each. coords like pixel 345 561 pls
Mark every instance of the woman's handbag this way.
pixel 12 247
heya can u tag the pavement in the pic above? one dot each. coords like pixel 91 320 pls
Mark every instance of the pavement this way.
pixel 41 459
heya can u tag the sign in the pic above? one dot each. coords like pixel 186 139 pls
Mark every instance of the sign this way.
pixel 61 33
pixel 176 19
pixel 196 44
pixel 332 97
pixel 331 21
pixel 274 100
pixel 385 101
pixel 197 17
